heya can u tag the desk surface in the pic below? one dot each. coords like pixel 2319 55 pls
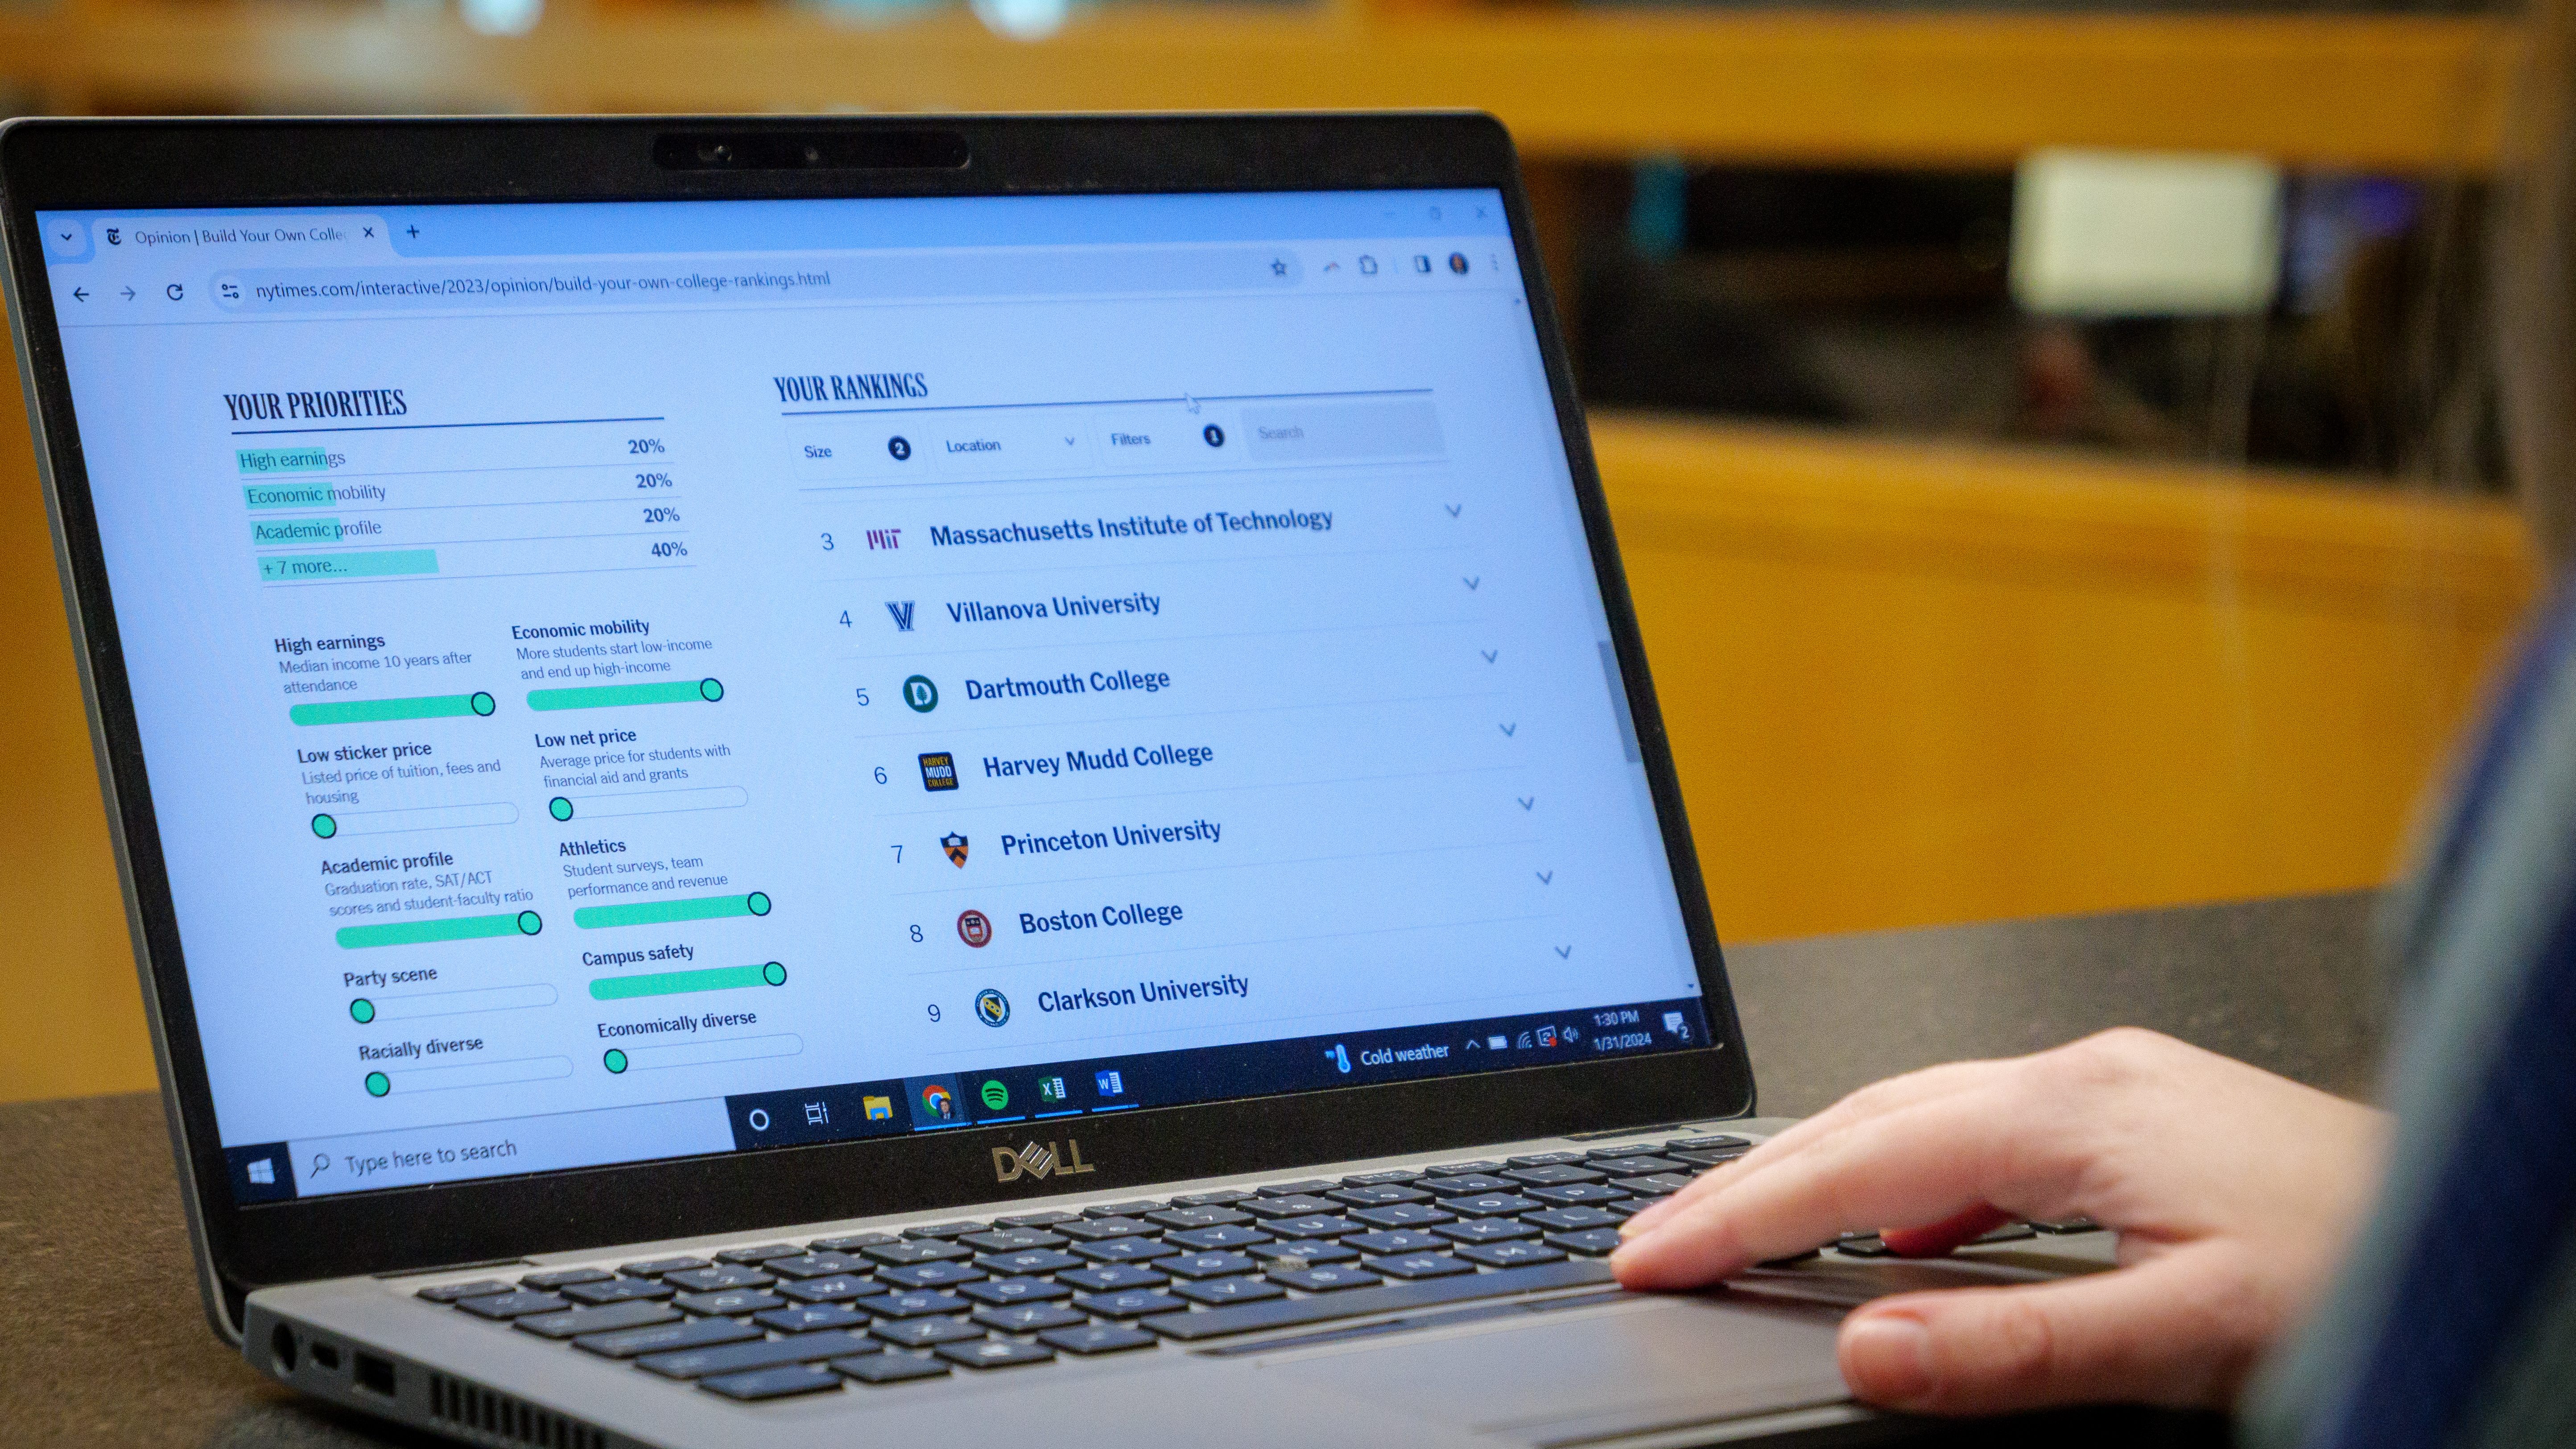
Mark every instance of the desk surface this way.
pixel 87 1197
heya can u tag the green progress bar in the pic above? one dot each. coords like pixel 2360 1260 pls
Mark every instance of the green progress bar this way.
pixel 453 928
pixel 648 913
pixel 673 983
pixel 283 460
pixel 377 711
pixel 286 568
pixel 607 696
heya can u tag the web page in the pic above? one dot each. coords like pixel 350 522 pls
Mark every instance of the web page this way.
pixel 625 682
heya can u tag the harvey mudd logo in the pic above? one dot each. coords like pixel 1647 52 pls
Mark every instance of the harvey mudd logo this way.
pixel 1036 1159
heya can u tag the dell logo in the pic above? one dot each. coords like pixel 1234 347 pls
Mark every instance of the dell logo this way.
pixel 1038 1160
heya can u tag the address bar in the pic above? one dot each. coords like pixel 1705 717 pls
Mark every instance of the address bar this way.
pixel 841 276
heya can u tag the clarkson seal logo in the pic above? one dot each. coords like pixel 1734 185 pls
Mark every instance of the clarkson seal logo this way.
pixel 1038 1159
pixel 992 1008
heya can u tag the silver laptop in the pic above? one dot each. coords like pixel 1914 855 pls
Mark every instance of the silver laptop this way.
pixel 793 781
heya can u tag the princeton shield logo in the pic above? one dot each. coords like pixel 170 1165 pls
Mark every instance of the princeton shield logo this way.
pixel 955 845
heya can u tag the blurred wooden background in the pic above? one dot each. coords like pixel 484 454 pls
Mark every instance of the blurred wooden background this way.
pixel 1907 683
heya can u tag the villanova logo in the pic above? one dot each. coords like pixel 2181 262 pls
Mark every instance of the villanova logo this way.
pixel 902 614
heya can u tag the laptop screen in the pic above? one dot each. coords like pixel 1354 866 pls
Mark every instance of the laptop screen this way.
pixel 628 681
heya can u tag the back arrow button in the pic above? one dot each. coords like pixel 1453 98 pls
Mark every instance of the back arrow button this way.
pixel 80 294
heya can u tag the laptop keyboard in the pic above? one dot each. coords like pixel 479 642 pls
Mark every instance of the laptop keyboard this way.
pixel 773 1320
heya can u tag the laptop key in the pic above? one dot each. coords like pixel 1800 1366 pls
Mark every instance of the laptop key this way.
pixel 1028 1317
pixel 1327 1278
pixel 839 1288
pixel 1403 1241
pixel 1302 1252
pixel 1633 1206
pixel 708 1280
pixel 1478 1183
pixel 617 1290
pixel 450 1292
pixel 1705 1144
pixel 1509 1255
pixel 663 1337
pixel 995 1353
pixel 1091 1338
pixel 1217 1239
pixel 1460 1169
pixel 805 1318
pixel 1400 1215
pixel 1657 1184
pixel 814 1265
pixel 1136 1208
pixel 1604 1156
pixel 1097 1230
pixel 761 1253
pixel 929 1275
pixel 1590 1242
pixel 1221 1197
pixel 1491 1205
pixel 851 1242
pixel 574 1322
pixel 1207 1265
pixel 1034 1220
pixel 1639 1166
pixel 890 1368
pixel 736 1358
pixel 1290 1205
pixel 1014 1290
pixel 1547 1159
pixel 1378 1194
pixel 1572 1219
pixel 1710 1158
pixel 924 1332
pixel 928 1250
pixel 1485 1230
pixel 1111 1277
pixel 1034 1260
pixel 1553 1174
pixel 730 1300
pixel 1211 1323
pixel 777 1383
pixel 1012 1240
pixel 1216 1291
pixel 1198 1217
pixel 1576 1194
pixel 1392 1177
pixel 912 1305
pixel 662 1267
pixel 1305 1187
pixel 1319 1225
pixel 1418 1265
pixel 1133 1303
pixel 563 1278
pixel 514 1304
pixel 945 1230
pixel 1124 1250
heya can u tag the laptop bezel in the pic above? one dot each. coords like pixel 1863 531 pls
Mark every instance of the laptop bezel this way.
pixel 166 164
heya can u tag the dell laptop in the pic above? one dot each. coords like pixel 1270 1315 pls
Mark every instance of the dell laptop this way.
pixel 825 781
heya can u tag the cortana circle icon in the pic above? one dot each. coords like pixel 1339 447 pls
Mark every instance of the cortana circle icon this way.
pixel 899 447
pixel 974 928
pixel 991 1007
pixel 1215 435
pixel 759 1119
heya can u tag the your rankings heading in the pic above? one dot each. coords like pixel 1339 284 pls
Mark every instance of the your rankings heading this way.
pixel 591 718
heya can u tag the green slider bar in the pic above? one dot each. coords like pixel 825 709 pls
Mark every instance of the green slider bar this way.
pixel 378 711
pixel 290 567
pixel 453 928
pixel 607 696
pixel 648 913
pixel 674 983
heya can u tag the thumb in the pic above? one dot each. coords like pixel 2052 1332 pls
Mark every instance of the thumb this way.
pixel 2180 1329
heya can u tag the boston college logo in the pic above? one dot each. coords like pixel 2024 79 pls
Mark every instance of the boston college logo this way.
pixel 1036 1159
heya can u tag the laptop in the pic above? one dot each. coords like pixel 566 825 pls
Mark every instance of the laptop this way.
pixel 790 780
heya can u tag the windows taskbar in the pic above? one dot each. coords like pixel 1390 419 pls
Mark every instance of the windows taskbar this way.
pixel 1094 1086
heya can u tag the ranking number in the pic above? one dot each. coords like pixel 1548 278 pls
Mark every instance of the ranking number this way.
pixel 916 935
pixel 934 1006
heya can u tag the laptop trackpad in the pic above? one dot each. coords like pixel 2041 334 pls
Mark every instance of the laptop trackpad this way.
pixel 1547 1379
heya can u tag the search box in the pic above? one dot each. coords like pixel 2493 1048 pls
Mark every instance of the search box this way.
pixel 1334 432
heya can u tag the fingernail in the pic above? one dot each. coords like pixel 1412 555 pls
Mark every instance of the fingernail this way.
pixel 1887 1357
pixel 1638 1226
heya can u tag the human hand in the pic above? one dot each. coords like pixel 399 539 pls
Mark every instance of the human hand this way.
pixel 2233 1191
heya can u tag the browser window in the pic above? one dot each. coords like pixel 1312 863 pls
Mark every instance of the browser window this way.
pixel 629 681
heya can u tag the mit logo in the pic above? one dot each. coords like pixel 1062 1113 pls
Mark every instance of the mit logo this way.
pixel 885 538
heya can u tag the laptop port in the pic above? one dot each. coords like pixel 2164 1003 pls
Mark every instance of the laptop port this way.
pixel 327 1355
pixel 281 1349
pixel 376 1374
